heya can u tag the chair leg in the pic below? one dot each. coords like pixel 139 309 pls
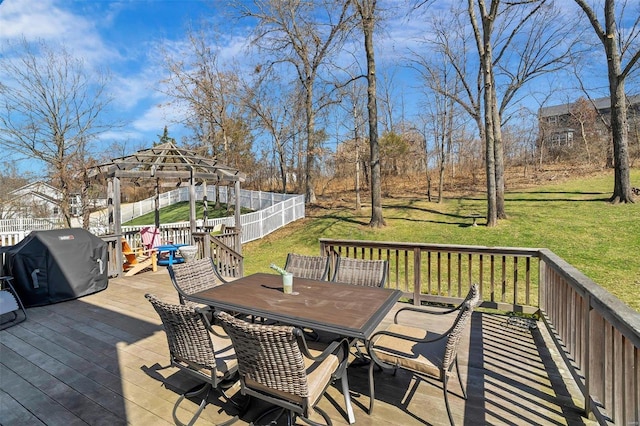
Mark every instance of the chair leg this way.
pixel 446 400
pixel 371 387
pixel 199 390
pixel 308 421
pixel 464 391
pixel 347 397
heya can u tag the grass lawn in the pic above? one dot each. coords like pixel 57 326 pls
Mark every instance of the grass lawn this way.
pixel 179 212
pixel 573 219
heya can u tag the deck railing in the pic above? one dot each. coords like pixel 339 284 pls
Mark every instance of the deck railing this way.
pixel 596 333
pixel 440 273
pixel 220 248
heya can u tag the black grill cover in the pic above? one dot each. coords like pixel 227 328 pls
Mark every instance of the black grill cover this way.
pixel 54 266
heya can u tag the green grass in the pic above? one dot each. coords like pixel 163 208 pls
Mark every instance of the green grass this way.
pixel 179 212
pixel 573 219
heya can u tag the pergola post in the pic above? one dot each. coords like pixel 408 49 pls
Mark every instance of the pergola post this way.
pixel 236 217
pixel 115 220
pixel 192 205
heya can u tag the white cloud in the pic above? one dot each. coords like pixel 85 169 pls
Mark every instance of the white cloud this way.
pixel 46 20
pixel 156 117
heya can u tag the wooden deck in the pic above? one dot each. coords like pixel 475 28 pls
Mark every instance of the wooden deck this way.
pixel 97 360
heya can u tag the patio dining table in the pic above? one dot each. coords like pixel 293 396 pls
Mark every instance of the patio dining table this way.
pixel 345 310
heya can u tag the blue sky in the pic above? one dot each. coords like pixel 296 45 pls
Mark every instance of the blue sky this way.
pixel 122 35
pixel 125 36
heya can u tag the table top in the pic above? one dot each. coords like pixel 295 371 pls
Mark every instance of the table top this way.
pixel 344 309
pixel 169 247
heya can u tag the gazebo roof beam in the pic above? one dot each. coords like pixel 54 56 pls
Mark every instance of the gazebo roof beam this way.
pixel 174 174
pixel 204 167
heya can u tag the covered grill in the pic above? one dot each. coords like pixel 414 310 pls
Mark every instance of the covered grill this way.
pixel 54 266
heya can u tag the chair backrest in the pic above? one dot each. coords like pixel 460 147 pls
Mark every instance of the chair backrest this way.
pixel 268 355
pixel 455 332
pixel 187 334
pixel 194 276
pixel 150 236
pixel 312 267
pixel 10 303
pixel 371 273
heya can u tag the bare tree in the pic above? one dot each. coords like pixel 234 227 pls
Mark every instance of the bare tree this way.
pixel 353 152
pixel 516 42
pixel 10 179
pixel 305 35
pixel 51 109
pixel 622 52
pixel 368 12
pixel 209 90
pixel 584 115
pixel 274 110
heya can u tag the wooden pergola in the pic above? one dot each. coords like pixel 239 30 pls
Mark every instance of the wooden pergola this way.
pixel 167 165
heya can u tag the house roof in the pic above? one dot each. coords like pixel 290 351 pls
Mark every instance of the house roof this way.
pixel 600 104
pixel 34 187
pixel 38 189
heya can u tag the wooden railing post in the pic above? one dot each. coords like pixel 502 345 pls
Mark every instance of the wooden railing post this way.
pixel 417 276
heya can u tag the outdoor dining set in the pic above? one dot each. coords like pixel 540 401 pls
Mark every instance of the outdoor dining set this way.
pixel 285 347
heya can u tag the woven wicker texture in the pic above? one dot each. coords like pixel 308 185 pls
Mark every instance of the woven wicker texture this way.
pixel 467 307
pixel 371 273
pixel 421 351
pixel 191 277
pixel 312 267
pixel 268 355
pixel 187 334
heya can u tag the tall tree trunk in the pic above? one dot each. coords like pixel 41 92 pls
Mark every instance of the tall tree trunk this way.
pixel 611 39
pixel 483 41
pixel 376 180
pixel 498 153
pixel 622 180
pixel 310 193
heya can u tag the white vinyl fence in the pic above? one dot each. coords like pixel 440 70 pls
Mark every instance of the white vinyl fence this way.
pixel 14 230
pixel 272 211
pixel 252 200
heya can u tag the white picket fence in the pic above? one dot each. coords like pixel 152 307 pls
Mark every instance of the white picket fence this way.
pixel 253 200
pixel 13 231
pixel 271 211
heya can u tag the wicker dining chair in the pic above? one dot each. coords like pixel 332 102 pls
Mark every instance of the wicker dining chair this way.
pixel 371 273
pixel 425 353
pixel 303 266
pixel 276 365
pixel 195 276
pixel 200 350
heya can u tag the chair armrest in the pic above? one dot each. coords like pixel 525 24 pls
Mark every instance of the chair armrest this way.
pixel 302 343
pixel 423 310
pixel 207 312
pixel 403 337
pixel 338 345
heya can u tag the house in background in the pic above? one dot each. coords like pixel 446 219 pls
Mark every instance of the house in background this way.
pixel 567 126
pixel 37 200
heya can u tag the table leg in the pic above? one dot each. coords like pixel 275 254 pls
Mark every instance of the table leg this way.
pixel 347 397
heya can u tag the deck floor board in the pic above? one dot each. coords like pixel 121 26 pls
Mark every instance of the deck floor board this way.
pixel 99 360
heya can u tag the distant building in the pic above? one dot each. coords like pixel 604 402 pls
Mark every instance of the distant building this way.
pixel 560 126
pixel 41 200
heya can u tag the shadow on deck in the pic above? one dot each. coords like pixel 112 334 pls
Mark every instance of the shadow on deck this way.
pixel 97 360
